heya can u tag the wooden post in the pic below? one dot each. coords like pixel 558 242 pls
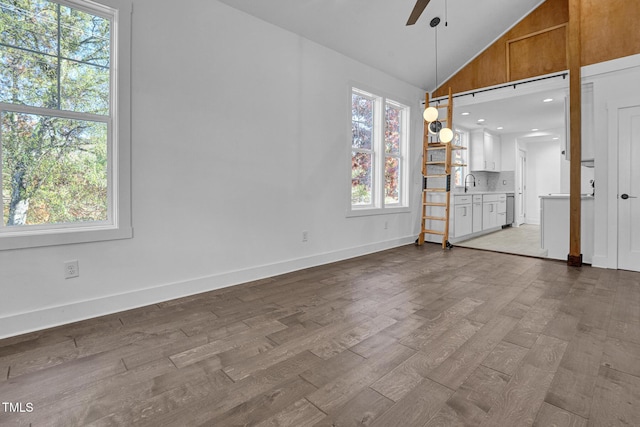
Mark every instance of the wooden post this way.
pixel 574 58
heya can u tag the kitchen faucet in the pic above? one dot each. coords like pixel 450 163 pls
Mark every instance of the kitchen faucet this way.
pixel 465 181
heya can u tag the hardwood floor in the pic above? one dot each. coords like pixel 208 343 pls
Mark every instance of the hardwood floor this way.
pixel 413 336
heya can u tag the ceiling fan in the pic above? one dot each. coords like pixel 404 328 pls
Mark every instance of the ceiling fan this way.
pixel 417 11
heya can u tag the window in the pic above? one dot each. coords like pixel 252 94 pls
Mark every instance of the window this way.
pixel 379 138
pixel 459 157
pixel 59 128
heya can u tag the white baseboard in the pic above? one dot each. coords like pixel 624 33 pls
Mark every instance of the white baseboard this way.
pixel 48 317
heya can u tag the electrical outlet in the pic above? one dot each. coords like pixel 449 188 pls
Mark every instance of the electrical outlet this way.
pixel 71 269
pixel 305 236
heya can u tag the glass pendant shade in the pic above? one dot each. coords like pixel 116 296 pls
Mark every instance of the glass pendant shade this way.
pixel 446 135
pixel 430 114
pixel 434 127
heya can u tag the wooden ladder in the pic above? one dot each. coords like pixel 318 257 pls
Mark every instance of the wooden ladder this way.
pixel 436 166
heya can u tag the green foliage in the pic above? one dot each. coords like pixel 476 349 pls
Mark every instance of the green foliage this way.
pixel 53 58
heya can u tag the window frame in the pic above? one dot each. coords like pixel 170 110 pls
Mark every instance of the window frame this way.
pixel 118 120
pixel 464 154
pixel 379 156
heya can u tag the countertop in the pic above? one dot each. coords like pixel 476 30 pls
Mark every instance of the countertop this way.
pixel 563 196
pixel 471 193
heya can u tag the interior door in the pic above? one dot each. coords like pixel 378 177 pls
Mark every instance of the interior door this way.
pixel 521 187
pixel 629 188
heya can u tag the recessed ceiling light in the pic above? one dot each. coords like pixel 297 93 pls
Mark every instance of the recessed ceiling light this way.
pixel 556 138
pixel 466 113
pixel 499 128
pixel 480 120
pixel 548 100
pixel 535 130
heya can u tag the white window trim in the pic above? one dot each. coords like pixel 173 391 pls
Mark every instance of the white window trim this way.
pixel 119 168
pixel 378 205
pixel 465 155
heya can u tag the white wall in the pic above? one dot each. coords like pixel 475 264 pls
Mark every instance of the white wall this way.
pixel 542 175
pixel 615 85
pixel 239 143
pixel 509 152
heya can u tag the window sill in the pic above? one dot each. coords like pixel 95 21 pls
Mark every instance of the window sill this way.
pixel 377 211
pixel 63 237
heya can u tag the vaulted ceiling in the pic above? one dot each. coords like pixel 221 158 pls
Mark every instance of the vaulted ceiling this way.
pixel 374 31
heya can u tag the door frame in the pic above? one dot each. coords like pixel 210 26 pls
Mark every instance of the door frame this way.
pixel 612 175
pixel 520 200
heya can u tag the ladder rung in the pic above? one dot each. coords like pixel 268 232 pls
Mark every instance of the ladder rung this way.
pixel 435 218
pixel 435 163
pixel 458 147
pixel 441 233
pixel 439 147
pixel 458 164
pixel 443 175
pixel 444 205
pixel 435 190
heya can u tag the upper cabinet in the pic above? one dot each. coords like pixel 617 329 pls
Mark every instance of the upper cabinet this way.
pixel 484 151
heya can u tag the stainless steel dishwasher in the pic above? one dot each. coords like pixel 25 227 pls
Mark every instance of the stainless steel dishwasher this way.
pixel 510 208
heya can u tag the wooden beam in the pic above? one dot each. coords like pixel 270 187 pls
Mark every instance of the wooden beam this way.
pixel 575 256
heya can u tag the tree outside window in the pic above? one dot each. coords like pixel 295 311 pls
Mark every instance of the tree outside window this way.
pixel 379 138
pixel 55 114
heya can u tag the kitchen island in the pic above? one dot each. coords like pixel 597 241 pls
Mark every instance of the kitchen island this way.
pixel 554 226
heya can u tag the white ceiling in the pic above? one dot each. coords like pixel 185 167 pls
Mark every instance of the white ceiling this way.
pixel 374 31
pixel 518 114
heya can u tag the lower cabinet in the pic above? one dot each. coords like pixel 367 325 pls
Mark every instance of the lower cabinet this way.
pixel 463 220
pixel 462 216
pixel 477 213
pixel 489 211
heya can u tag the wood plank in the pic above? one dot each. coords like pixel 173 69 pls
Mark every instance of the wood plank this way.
pixel 417 407
pixel 300 414
pixel 200 408
pixel 423 336
pixel 282 352
pixel 264 405
pixel 337 392
pixel 352 337
pixel 523 396
pixel 526 332
pixel 362 410
pixel 210 350
pixel 402 379
pixel 616 400
pixel 622 356
pixel 470 404
pixel 550 415
pixel 455 369
pixel 505 357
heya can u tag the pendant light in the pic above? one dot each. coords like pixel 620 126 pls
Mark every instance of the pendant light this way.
pixel 431 113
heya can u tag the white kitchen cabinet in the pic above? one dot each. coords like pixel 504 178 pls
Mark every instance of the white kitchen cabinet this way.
pixel 489 211
pixel 485 151
pixel 462 216
pixel 477 213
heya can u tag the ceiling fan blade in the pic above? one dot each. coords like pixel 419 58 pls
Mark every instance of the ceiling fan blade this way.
pixel 417 11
